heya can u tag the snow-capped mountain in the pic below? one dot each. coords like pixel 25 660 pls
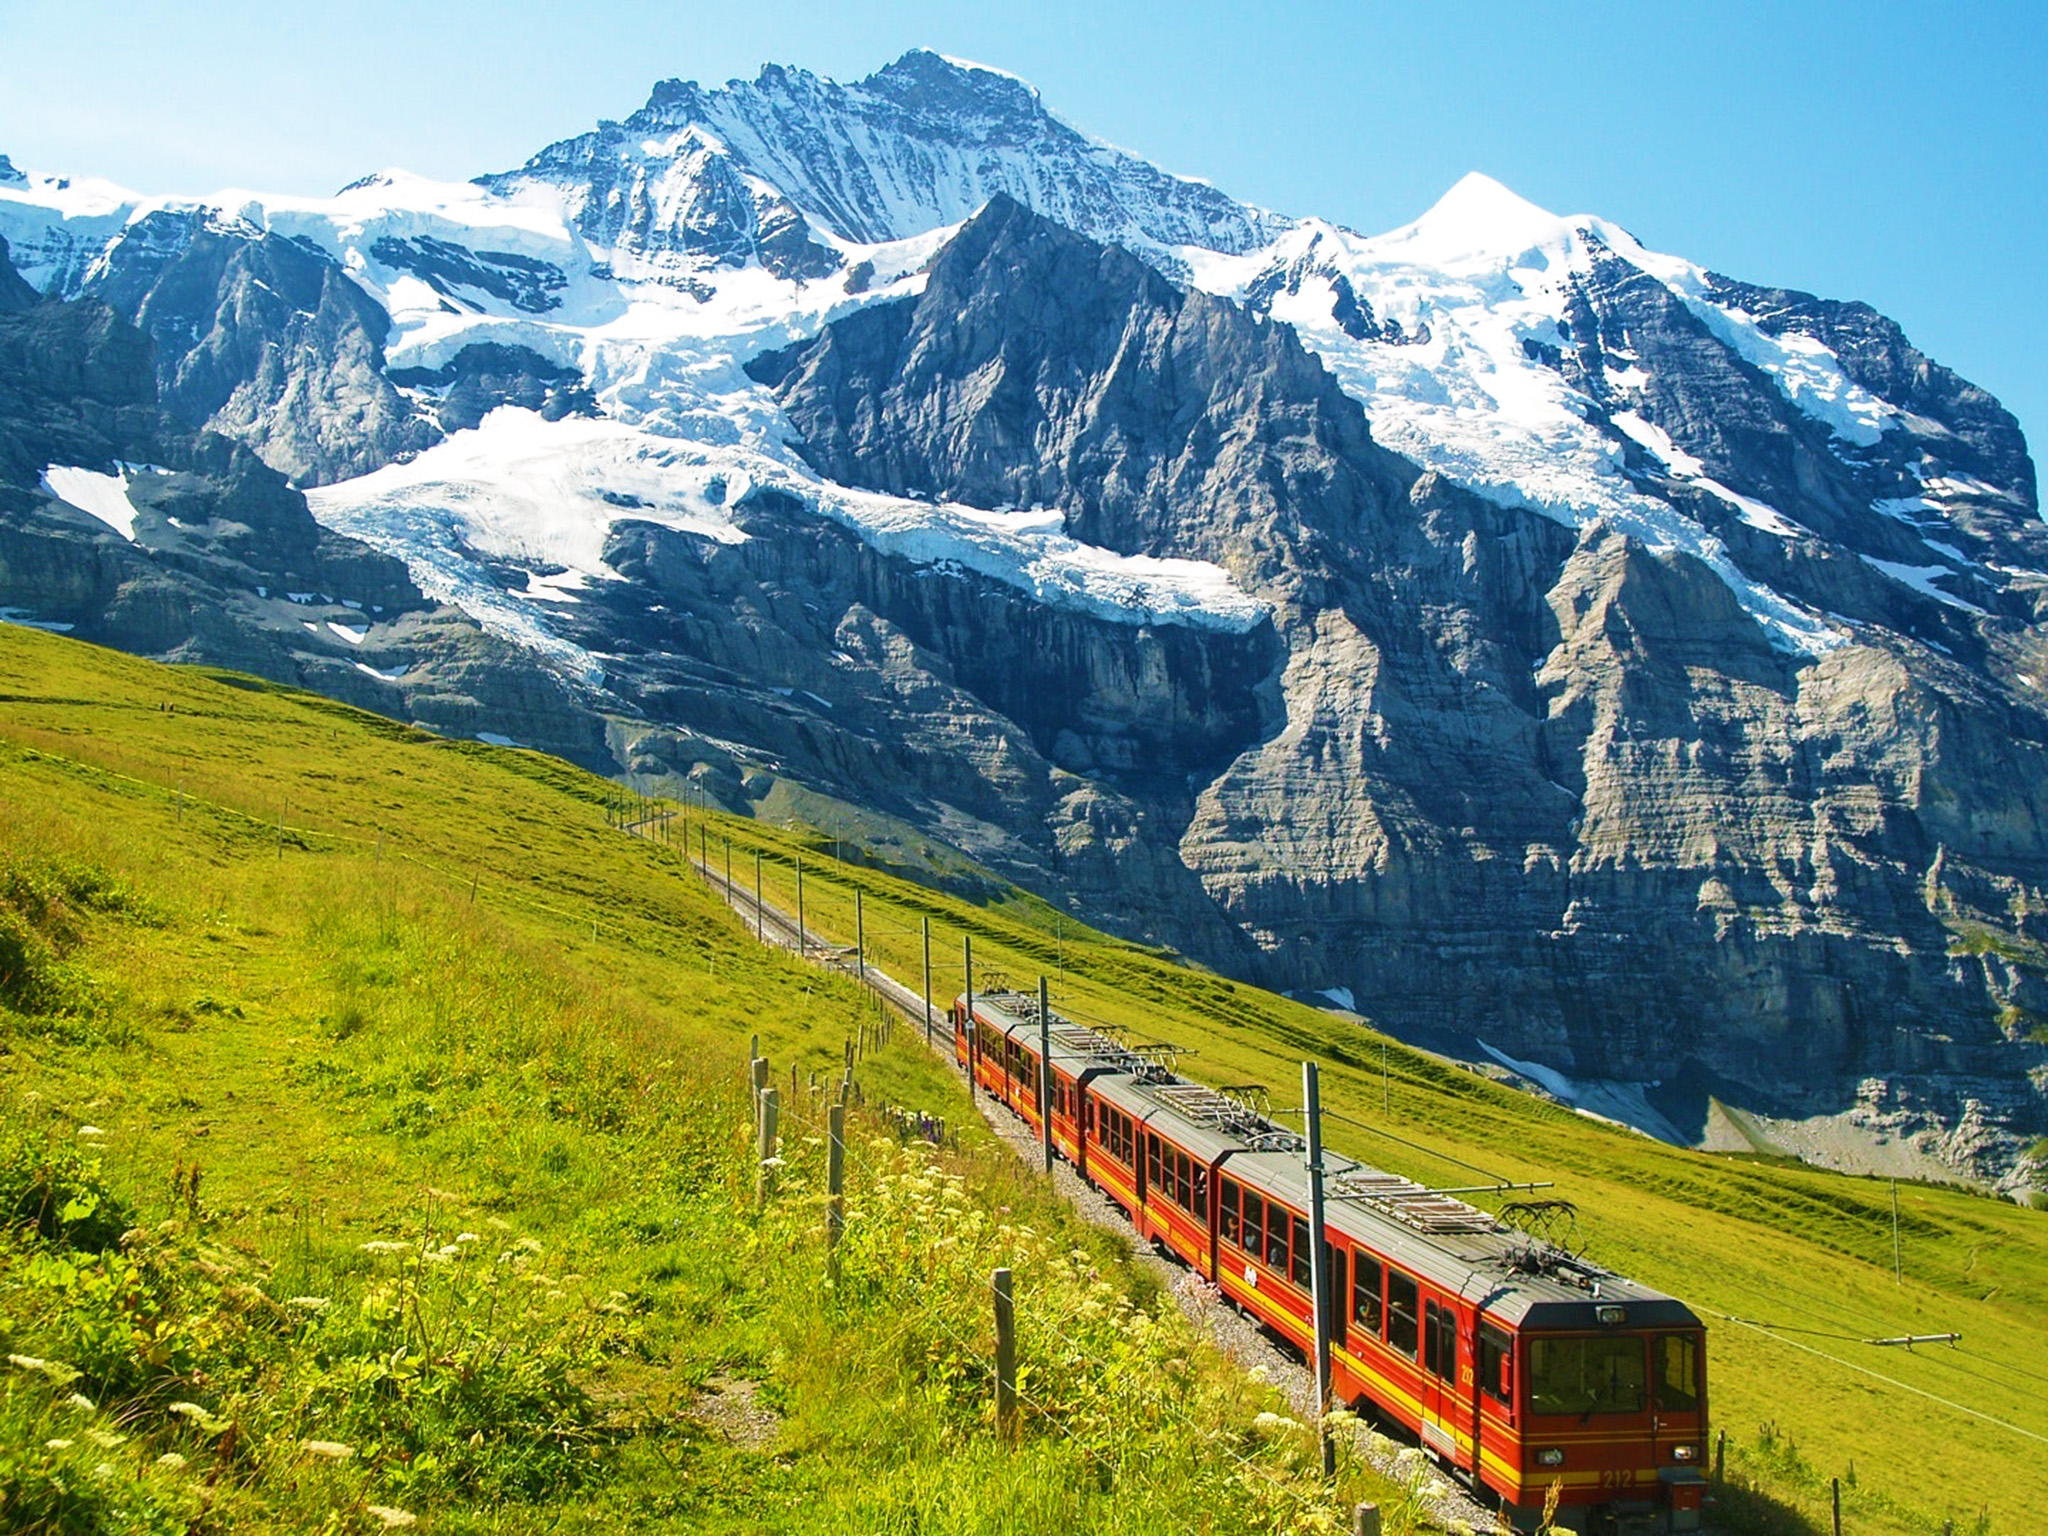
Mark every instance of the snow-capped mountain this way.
pixel 1621 639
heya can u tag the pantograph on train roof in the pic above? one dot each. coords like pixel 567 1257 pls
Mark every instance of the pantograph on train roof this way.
pixel 1412 1204
pixel 1232 1111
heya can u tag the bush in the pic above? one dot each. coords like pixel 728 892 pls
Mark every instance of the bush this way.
pixel 59 1194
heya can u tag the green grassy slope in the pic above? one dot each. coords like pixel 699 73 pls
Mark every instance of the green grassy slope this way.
pixel 1792 1266
pixel 447 974
pixel 374 1151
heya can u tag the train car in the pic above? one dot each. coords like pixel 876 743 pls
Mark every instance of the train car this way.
pixel 1520 1367
pixel 998 1046
pixel 1516 1365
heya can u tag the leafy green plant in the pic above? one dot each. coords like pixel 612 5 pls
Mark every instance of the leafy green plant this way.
pixel 59 1193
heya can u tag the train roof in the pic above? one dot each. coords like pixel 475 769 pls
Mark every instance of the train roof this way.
pixel 1505 1272
pixel 1075 1047
pixel 1135 1099
pixel 1509 1274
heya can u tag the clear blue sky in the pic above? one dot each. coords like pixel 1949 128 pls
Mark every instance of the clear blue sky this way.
pixel 1888 151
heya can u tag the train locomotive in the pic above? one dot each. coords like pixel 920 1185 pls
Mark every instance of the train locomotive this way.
pixel 1525 1370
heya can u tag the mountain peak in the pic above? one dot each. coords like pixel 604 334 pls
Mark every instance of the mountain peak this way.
pixel 924 77
pixel 922 142
pixel 1480 220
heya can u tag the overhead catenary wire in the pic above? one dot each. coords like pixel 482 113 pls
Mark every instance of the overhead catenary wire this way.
pixel 1849 1365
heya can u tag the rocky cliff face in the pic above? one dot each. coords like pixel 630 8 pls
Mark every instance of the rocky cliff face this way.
pixel 120 524
pixel 1509 773
pixel 1581 659
pixel 263 340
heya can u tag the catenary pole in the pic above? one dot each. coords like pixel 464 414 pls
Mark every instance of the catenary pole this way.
pixel 1319 1275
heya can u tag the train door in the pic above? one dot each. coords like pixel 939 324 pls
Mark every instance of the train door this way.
pixel 1440 1380
pixel 1493 1391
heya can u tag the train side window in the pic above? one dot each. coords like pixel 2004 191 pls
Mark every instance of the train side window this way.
pixel 1226 1213
pixel 1184 1180
pixel 1151 1162
pixel 1255 1224
pixel 1403 1308
pixel 1202 1195
pixel 1496 1353
pixel 1276 1238
pixel 1365 1293
pixel 1303 1254
pixel 1678 1373
pixel 1440 1341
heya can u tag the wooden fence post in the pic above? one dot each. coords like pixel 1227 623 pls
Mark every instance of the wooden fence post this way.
pixel 1365 1520
pixel 835 1189
pixel 771 1109
pixel 1006 1357
pixel 1837 1489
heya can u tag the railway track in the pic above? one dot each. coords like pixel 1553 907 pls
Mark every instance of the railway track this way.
pixel 1442 1501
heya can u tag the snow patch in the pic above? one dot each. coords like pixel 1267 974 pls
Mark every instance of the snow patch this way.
pixel 1921 579
pixel 522 490
pixel 1342 997
pixel 102 495
pixel 23 619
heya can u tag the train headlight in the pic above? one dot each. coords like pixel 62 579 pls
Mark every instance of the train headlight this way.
pixel 1611 1317
pixel 1685 1453
pixel 1552 1456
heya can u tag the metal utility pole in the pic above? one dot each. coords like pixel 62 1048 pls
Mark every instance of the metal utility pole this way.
pixel 802 943
pixel 860 938
pixel 973 1035
pixel 1898 1254
pixel 760 921
pixel 1045 1072
pixel 1319 1276
pixel 926 923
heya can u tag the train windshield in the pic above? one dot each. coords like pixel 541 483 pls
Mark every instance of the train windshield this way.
pixel 1604 1374
pixel 1678 1372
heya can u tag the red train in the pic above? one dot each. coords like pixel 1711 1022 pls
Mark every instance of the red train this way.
pixel 1518 1366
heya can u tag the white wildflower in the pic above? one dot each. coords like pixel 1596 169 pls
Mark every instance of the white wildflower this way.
pixel 170 1461
pixel 391 1517
pixel 201 1418
pixel 62 1374
pixel 331 1450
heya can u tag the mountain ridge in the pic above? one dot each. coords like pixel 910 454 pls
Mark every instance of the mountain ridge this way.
pixel 1494 590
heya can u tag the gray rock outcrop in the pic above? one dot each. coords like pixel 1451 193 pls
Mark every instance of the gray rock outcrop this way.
pixel 1549 790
